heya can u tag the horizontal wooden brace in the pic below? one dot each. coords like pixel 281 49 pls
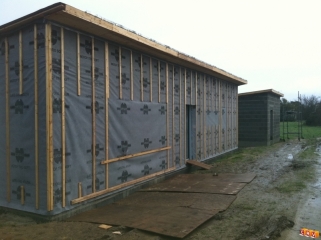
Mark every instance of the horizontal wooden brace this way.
pixel 102 192
pixel 134 155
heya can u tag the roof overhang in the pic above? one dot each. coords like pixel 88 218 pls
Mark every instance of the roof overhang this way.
pixel 272 91
pixel 82 21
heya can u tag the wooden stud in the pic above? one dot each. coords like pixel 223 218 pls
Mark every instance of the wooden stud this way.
pixel 134 155
pixel 107 109
pixel 20 64
pixel 63 125
pixel 180 116
pixel 93 115
pixel 151 79
pixel 196 118
pixel 167 114
pixel 131 77
pixel 159 82
pixel 141 79
pixel 49 118
pixel 78 66
pixel 35 50
pixel 22 191
pixel 97 194
pixel 237 118
pixel 173 116
pixel 79 190
pixel 8 121
pixel 185 115
pixel 220 118
pixel 204 115
pixel 120 74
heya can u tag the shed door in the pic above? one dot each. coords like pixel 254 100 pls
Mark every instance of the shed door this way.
pixel 191 131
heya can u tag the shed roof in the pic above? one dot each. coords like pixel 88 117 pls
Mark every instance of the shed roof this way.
pixel 83 21
pixel 263 91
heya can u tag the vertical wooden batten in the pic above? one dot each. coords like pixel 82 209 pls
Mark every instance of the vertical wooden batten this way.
pixel 141 79
pixel 8 169
pixel 63 126
pixel 106 107
pixel 120 74
pixel 151 79
pixel 131 77
pixel 49 137
pixel 180 115
pixel 185 115
pixel 167 116
pixel 204 115
pixel 159 82
pixel 22 194
pixel 35 49
pixel 93 115
pixel 220 117
pixel 20 64
pixel 173 115
pixel 78 65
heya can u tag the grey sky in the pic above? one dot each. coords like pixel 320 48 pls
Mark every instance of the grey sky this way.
pixel 272 44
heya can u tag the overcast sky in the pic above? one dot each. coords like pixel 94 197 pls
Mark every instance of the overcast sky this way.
pixel 270 43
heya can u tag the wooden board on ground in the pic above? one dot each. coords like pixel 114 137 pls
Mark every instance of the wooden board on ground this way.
pixel 169 221
pixel 202 201
pixel 199 164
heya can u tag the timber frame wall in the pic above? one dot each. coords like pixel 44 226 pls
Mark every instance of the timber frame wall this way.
pixel 47 90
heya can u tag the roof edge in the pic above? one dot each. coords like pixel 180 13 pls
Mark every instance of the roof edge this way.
pixel 56 7
pixel 262 91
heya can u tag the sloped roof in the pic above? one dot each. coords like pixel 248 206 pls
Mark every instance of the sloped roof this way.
pixel 82 21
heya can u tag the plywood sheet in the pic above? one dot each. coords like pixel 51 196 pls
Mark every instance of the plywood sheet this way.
pixel 170 221
pixel 172 199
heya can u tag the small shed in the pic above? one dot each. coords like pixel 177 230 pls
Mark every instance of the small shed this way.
pixel 259 118
pixel 91 109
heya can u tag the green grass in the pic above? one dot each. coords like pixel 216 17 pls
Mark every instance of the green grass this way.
pixel 308 132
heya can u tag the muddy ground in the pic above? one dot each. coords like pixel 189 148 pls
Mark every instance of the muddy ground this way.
pixel 284 196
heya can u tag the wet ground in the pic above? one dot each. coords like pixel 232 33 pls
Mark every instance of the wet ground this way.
pixel 285 196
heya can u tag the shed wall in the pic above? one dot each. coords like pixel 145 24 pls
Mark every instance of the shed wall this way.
pixel 118 117
pixel 255 117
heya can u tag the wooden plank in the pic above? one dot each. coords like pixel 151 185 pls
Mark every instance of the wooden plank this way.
pixel 180 116
pixel 134 155
pixel 22 191
pixel 151 79
pixel 8 170
pixel 93 115
pixel 78 66
pixel 199 164
pixel 167 114
pixel 49 137
pixel 131 77
pixel 173 116
pixel 106 112
pixel 20 64
pixel 79 190
pixel 141 79
pixel 63 125
pixel 220 118
pixel 35 50
pixel 120 74
pixel 102 192
pixel 204 115
pixel 159 82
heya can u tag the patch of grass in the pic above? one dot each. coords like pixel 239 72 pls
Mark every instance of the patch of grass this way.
pixel 291 186
pixel 308 132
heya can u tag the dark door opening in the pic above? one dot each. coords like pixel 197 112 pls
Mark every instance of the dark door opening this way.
pixel 190 132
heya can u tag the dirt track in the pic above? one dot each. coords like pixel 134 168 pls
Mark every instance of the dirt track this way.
pixel 265 209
